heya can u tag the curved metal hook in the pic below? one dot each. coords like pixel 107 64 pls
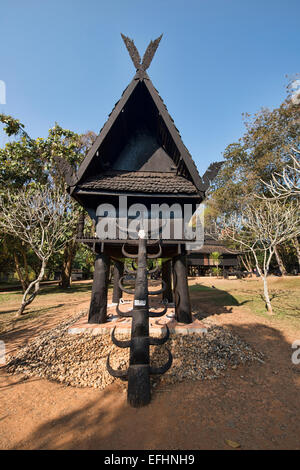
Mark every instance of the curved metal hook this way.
pixel 129 271
pixel 120 374
pixel 162 369
pixel 124 289
pixel 117 342
pixel 154 270
pixel 158 314
pixel 160 341
pixel 128 255
pixel 156 255
pixel 123 314
pixel 160 291
pixel 134 269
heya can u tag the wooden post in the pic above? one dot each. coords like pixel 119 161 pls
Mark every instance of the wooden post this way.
pixel 80 226
pixel 139 371
pixel 166 272
pixel 118 273
pixel 98 306
pixel 139 393
pixel 183 312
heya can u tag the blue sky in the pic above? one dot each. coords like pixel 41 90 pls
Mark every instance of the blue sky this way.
pixel 65 61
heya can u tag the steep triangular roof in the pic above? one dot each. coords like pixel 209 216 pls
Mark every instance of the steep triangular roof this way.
pixel 140 100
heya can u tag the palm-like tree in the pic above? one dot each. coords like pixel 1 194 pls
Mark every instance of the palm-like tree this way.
pixel 216 257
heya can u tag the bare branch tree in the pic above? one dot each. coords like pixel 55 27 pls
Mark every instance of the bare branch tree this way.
pixel 41 218
pixel 258 228
pixel 287 183
pixel 286 186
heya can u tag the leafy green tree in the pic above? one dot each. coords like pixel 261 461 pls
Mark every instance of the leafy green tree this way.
pixel 216 258
pixel 264 149
pixel 39 217
pixel 26 161
pixel 84 260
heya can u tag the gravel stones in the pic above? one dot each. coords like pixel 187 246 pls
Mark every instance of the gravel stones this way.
pixel 80 360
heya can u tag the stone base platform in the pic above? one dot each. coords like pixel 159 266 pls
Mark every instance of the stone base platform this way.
pixel 123 325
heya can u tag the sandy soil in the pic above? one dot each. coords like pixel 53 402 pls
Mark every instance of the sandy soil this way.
pixel 256 406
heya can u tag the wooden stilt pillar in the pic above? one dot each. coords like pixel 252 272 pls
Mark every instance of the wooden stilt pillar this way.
pixel 183 312
pixel 98 306
pixel 166 272
pixel 118 273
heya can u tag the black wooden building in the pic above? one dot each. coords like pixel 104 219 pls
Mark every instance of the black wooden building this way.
pixel 138 154
pixel 200 262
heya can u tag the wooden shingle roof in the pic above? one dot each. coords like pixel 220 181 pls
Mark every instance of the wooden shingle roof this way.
pixel 147 182
pixel 140 134
pixel 222 249
pixel 139 107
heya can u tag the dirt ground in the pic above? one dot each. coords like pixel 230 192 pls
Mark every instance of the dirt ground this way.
pixel 256 406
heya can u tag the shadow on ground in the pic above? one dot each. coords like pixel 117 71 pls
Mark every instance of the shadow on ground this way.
pixel 74 288
pixel 207 301
pixel 30 314
pixel 256 406
pixel 48 287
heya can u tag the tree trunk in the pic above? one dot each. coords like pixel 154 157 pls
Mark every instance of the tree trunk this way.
pixel 69 254
pixel 266 295
pixel 19 272
pixel 279 261
pixel 263 272
pixel 25 267
pixel 246 262
pixel 80 225
pixel 33 285
pixel 297 247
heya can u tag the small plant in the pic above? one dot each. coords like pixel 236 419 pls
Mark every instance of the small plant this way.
pixel 216 258
pixel 216 271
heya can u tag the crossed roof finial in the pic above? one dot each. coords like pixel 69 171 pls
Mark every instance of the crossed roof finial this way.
pixel 141 66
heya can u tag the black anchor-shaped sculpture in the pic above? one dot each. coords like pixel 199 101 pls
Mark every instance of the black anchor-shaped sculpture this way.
pixel 139 371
